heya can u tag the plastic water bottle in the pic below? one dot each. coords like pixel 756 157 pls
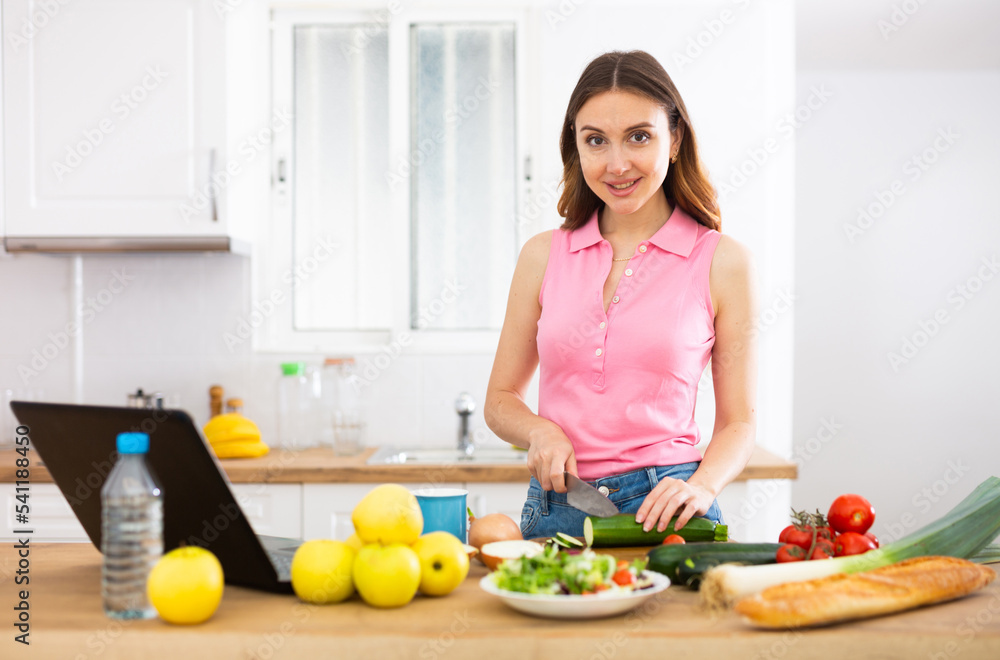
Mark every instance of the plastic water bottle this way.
pixel 296 409
pixel 131 530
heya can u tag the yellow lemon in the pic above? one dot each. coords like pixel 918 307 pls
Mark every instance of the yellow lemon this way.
pixel 321 571
pixel 444 562
pixel 388 514
pixel 387 576
pixel 185 586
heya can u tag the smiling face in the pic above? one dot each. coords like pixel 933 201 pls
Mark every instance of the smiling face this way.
pixel 624 143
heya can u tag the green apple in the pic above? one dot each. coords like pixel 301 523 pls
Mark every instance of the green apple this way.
pixel 387 575
pixel 444 563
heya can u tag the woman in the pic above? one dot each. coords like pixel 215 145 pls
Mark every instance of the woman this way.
pixel 622 307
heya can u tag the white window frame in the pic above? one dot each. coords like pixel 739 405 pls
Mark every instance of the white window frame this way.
pixel 276 332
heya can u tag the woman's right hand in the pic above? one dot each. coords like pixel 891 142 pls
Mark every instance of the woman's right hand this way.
pixel 549 455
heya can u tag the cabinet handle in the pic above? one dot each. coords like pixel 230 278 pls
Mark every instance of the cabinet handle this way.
pixel 211 190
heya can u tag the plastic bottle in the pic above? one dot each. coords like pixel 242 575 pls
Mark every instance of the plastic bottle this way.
pixel 131 530
pixel 296 413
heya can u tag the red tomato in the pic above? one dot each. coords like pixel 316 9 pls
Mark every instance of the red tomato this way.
pixel 790 552
pixel 823 549
pixel 623 577
pixel 802 535
pixel 796 536
pixel 673 538
pixel 874 539
pixel 852 543
pixel 851 513
pixel 827 533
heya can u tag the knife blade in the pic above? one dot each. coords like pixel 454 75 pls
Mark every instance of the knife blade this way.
pixel 586 498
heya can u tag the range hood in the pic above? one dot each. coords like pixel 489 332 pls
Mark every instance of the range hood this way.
pixel 84 244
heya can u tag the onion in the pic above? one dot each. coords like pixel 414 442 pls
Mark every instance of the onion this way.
pixel 494 553
pixel 471 551
pixel 490 528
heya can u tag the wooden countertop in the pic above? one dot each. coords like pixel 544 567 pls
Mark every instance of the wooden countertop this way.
pixel 322 466
pixel 67 622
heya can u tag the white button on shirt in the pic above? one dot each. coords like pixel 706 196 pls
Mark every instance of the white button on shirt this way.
pixel 615 299
pixel 642 248
pixel 598 352
pixel 628 272
pixel 603 325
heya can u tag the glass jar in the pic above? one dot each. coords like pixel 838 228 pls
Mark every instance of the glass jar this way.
pixel 343 407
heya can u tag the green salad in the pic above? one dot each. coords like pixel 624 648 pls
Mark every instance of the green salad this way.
pixel 578 572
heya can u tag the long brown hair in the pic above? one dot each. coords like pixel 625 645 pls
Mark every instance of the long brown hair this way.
pixel 637 72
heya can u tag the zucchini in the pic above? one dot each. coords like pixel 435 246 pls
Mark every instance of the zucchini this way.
pixel 670 560
pixel 623 530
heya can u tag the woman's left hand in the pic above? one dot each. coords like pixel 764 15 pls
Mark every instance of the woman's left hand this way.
pixel 673 497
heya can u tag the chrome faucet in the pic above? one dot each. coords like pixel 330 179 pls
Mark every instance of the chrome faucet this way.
pixel 465 405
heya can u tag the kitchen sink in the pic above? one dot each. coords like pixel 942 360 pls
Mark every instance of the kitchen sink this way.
pixel 390 455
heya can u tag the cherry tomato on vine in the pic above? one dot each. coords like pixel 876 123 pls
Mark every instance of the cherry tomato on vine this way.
pixel 790 552
pixel 852 543
pixel 851 513
pixel 802 536
pixel 874 539
pixel 823 549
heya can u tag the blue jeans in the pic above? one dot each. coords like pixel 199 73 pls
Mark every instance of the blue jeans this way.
pixel 546 512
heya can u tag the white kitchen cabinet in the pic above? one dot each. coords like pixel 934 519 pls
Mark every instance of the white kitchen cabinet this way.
pixel 49 516
pixel 326 509
pixel 114 121
pixel 504 497
pixel 272 509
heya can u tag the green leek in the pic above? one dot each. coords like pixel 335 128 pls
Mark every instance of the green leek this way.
pixel 963 532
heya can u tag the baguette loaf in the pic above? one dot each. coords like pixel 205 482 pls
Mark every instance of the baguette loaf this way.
pixel 908 584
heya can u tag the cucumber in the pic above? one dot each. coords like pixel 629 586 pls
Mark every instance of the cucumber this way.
pixel 568 541
pixel 690 570
pixel 670 560
pixel 623 530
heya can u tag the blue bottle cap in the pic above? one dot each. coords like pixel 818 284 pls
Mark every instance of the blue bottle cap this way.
pixel 133 443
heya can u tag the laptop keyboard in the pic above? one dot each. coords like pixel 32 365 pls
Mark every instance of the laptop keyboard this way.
pixel 282 562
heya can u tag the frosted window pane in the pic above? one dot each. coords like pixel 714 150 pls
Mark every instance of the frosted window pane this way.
pixel 339 187
pixel 463 193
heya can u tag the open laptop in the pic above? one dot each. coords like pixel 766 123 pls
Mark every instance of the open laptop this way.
pixel 77 445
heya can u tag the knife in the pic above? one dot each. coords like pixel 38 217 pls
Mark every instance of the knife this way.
pixel 586 498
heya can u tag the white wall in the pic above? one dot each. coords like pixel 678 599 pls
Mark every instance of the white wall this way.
pixel 914 435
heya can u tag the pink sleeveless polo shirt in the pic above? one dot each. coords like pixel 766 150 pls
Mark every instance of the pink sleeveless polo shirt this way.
pixel 622 385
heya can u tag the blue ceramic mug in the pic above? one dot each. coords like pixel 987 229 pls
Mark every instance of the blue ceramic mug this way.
pixel 444 510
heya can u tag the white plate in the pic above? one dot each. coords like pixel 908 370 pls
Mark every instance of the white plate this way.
pixel 605 603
